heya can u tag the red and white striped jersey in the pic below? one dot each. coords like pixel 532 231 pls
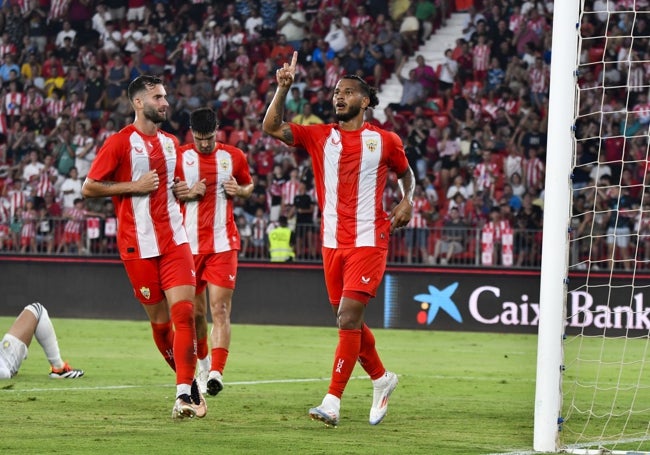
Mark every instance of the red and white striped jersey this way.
pixel 37 101
pixel 58 10
pixel 259 226
pixel 29 224
pixel 481 57
pixel 54 107
pixel 534 170
pixel 209 221
pixel 515 22
pixel 75 108
pixel 17 200
pixel 420 207
pixel 13 103
pixel 539 79
pixel 350 172
pixel 149 224
pixel 289 191
pixel 45 179
pixel 75 219
pixel 484 175
pixel 333 74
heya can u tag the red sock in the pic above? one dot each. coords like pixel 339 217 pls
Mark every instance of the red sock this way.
pixel 184 341
pixel 368 356
pixel 219 357
pixel 163 336
pixel 347 353
pixel 202 348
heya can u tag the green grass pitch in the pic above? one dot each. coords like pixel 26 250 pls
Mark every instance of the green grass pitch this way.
pixel 459 393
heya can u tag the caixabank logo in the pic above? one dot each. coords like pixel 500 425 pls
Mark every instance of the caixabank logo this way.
pixel 505 306
pixel 435 301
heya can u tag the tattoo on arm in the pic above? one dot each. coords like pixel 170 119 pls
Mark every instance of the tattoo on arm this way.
pixel 287 135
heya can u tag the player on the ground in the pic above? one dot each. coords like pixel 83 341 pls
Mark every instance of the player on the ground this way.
pixel 33 322
pixel 136 168
pixel 351 161
pixel 214 174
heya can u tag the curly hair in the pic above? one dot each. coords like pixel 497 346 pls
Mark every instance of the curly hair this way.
pixel 367 90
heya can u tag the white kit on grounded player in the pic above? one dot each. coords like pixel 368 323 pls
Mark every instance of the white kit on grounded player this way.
pixel 33 322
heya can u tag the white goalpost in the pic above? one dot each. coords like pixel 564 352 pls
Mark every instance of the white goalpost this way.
pixel 593 381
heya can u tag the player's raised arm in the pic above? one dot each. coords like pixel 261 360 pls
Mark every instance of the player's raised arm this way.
pixel 274 124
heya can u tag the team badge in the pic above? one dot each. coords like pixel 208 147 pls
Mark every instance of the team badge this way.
pixel 146 292
pixel 224 164
pixel 169 148
pixel 371 144
pixel 6 344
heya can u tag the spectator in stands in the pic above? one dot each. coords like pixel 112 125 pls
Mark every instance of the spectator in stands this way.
pixel 70 189
pixel 306 117
pixel 85 149
pixel 452 240
pixel 413 93
pixel 291 24
pixel 417 230
pixel 448 72
pixel 95 94
pixel 410 30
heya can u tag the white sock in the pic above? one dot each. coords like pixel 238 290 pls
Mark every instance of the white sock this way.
pixel 332 401
pixel 183 389
pixel 204 364
pixel 45 334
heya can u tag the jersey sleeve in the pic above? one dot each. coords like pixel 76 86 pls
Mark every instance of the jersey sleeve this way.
pixel 241 171
pixel 178 171
pixel 397 157
pixel 108 159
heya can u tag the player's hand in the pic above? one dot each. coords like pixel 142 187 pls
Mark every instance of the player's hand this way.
pixel 285 75
pixel 400 215
pixel 198 190
pixel 180 189
pixel 231 187
pixel 148 183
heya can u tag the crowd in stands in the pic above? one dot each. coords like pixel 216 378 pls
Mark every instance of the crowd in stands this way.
pixel 473 127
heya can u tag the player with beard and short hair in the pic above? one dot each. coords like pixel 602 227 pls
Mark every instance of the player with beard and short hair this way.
pixel 351 161
pixel 136 168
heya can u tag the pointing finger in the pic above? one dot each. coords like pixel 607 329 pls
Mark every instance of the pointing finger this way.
pixel 294 60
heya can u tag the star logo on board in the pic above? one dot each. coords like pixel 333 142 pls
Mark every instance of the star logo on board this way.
pixel 435 301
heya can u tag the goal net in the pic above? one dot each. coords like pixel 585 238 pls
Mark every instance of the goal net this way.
pixel 603 403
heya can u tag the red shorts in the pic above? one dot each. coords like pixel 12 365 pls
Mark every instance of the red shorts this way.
pixel 216 268
pixel 354 273
pixel 150 277
pixel 71 237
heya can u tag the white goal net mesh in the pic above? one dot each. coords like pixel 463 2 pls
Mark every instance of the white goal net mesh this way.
pixel 606 379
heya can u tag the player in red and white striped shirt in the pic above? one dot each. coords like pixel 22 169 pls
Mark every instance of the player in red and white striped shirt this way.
pixel 136 167
pixel 214 173
pixel 351 160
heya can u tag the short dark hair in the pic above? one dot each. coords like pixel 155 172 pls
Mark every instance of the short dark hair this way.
pixel 142 83
pixel 203 121
pixel 367 90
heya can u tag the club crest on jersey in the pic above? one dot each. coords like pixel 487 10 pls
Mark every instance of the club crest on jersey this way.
pixel 146 292
pixel 371 144
pixel 224 164
pixel 169 148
